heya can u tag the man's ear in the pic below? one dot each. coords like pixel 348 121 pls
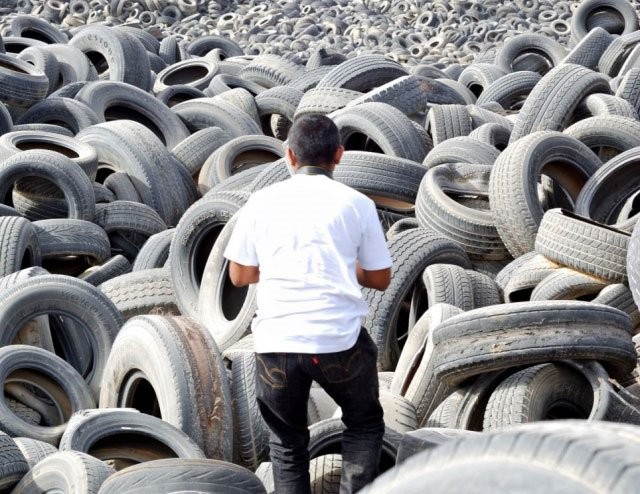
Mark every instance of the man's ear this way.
pixel 338 156
pixel 291 158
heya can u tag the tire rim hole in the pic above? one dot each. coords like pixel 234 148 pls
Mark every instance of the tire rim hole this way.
pixel 137 392
pixel 186 75
pixel 121 112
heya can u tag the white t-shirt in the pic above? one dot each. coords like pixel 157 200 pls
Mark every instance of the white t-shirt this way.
pixel 305 234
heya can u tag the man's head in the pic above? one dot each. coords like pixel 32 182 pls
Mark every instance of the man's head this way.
pixel 314 140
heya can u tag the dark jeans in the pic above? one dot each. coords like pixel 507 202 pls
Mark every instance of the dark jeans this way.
pixel 351 379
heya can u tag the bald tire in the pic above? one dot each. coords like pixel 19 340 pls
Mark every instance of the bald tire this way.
pixel 177 358
pixel 183 475
pixel 65 472
pixel 465 345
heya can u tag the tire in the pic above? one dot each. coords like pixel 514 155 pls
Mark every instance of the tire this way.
pixel 568 284
pixel 464 408
pixel 606 133
pixel 44 61
pixel 278 104
pixel 129 147
pixel 404 93
pixel 363 73
pixel 448 284
pixel 511 90
pixel 543 392
pixel 112 99
pixel 31 26
pixel 326 438
pixel 251 433
pixel 270 174
pixel 204 44
pixel 388 128
pixel 194 238
pixel 122 187
pixel 173 360
pixel 113 267
pixel 140 293
pixel 196 73
pixel 526 272
pixel 179 93
pixel 155 438
pixel 236 155
pixel 629 88
pixel 269 70
pixel 426 438
pixel 464 345
pixel 33 450
pixel 493 134
pixel 513 184
pixel 127 217
pixel 225 310
pixel 550 50
pixel 580 19
pixel 485 289
pixel 605 104
pixel 22 83
pixel 62 295
pixel 200 113
pixel 473 227
pixel 448 121
pixel 325 100
pixel 550 105
pixel 75 69
pixel 61 238
pixel 413 377
pixel 583 245
pixel 64 471
pixel 14 466
pixel 389 181
pixel 60 170
pixel 19 246
pixel 411 251
pixel 605 193
pixel 194 150
pixel 173 475
pixel 531 451
pixel 619 296
pixel 478 76
pixel 588 51
pixel 461 150
pixel 72 114
pixel 239 182
pixel 110 50
pixel 154 253
pixel 60 383
pixel 81 154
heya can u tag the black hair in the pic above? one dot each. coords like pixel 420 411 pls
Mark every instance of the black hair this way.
pixel 314 139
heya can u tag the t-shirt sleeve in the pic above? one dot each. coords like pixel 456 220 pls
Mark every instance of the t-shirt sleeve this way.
pixel 373 253
pixel 241 246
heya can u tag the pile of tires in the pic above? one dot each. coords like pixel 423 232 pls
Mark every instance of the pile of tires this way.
pixel 505 186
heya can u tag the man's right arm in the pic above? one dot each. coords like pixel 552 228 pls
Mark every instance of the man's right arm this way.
pixel 378 279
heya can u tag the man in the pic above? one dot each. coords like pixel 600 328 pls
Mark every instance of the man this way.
pixel 309 242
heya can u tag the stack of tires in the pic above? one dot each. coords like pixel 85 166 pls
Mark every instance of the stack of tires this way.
pixel 507 192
